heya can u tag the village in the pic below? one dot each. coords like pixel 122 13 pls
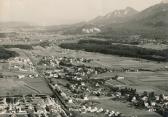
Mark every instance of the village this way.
pixel 30 106
pixel 77 87
pixel 74 86
pixel 73 81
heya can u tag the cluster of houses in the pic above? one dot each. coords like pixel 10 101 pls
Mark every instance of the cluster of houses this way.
pixel 56 61
pixel 149 101
pixel 57 88
pixel 78 88
pixel 100 111
pixel 78 76
pixel 31 106
pixel 66 68
pixel 79 73
pixel 80 85
pixel 22 76
pixel 21 64
pixel 90 87
pixel 107 113
pixel 91 30
pixel 74 73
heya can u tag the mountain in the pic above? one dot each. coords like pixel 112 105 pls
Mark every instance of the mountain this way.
pixel 95 25
pixel 156 16
pixel 117 16
pixel 150 23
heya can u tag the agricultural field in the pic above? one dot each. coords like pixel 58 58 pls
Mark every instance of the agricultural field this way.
pixel 18 77
pixel 12 87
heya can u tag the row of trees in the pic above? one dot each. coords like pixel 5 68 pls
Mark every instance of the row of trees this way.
pixel 118 49
pixel 20 46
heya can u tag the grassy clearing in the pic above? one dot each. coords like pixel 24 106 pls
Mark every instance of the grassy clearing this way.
pixel 13 86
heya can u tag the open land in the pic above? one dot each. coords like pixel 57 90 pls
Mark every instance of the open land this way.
pixel 80 80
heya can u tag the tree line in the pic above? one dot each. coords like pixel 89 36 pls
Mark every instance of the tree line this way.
pixel 6 54
pixel 106 47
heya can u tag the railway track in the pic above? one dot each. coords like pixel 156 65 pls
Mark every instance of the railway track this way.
pixel 57 95
pixel 55 92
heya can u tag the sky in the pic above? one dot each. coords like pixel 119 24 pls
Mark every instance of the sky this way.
pixel 56 12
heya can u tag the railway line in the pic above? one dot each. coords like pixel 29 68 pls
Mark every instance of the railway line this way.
pixel 55 92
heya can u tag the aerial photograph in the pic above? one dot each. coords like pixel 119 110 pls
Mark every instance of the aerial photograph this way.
pixel 83 58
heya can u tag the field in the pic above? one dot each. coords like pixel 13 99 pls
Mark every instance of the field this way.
pixel 10 84
pixel 10 87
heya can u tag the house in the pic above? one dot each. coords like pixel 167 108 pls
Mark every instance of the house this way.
pixel 70 101
pixel 21 76
pixel 118 77
pixel 100 110
pixel 85 98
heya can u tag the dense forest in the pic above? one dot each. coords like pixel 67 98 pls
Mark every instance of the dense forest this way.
pixel 6 54
pixel 118 49
pixel 20 46
pixel 26 47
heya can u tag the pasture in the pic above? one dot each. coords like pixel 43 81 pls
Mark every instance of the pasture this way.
pixel 13 86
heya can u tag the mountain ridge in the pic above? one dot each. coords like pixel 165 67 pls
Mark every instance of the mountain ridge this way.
pixel 117 16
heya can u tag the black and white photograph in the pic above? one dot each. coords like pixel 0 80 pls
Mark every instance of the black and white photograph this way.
pixel 83 58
